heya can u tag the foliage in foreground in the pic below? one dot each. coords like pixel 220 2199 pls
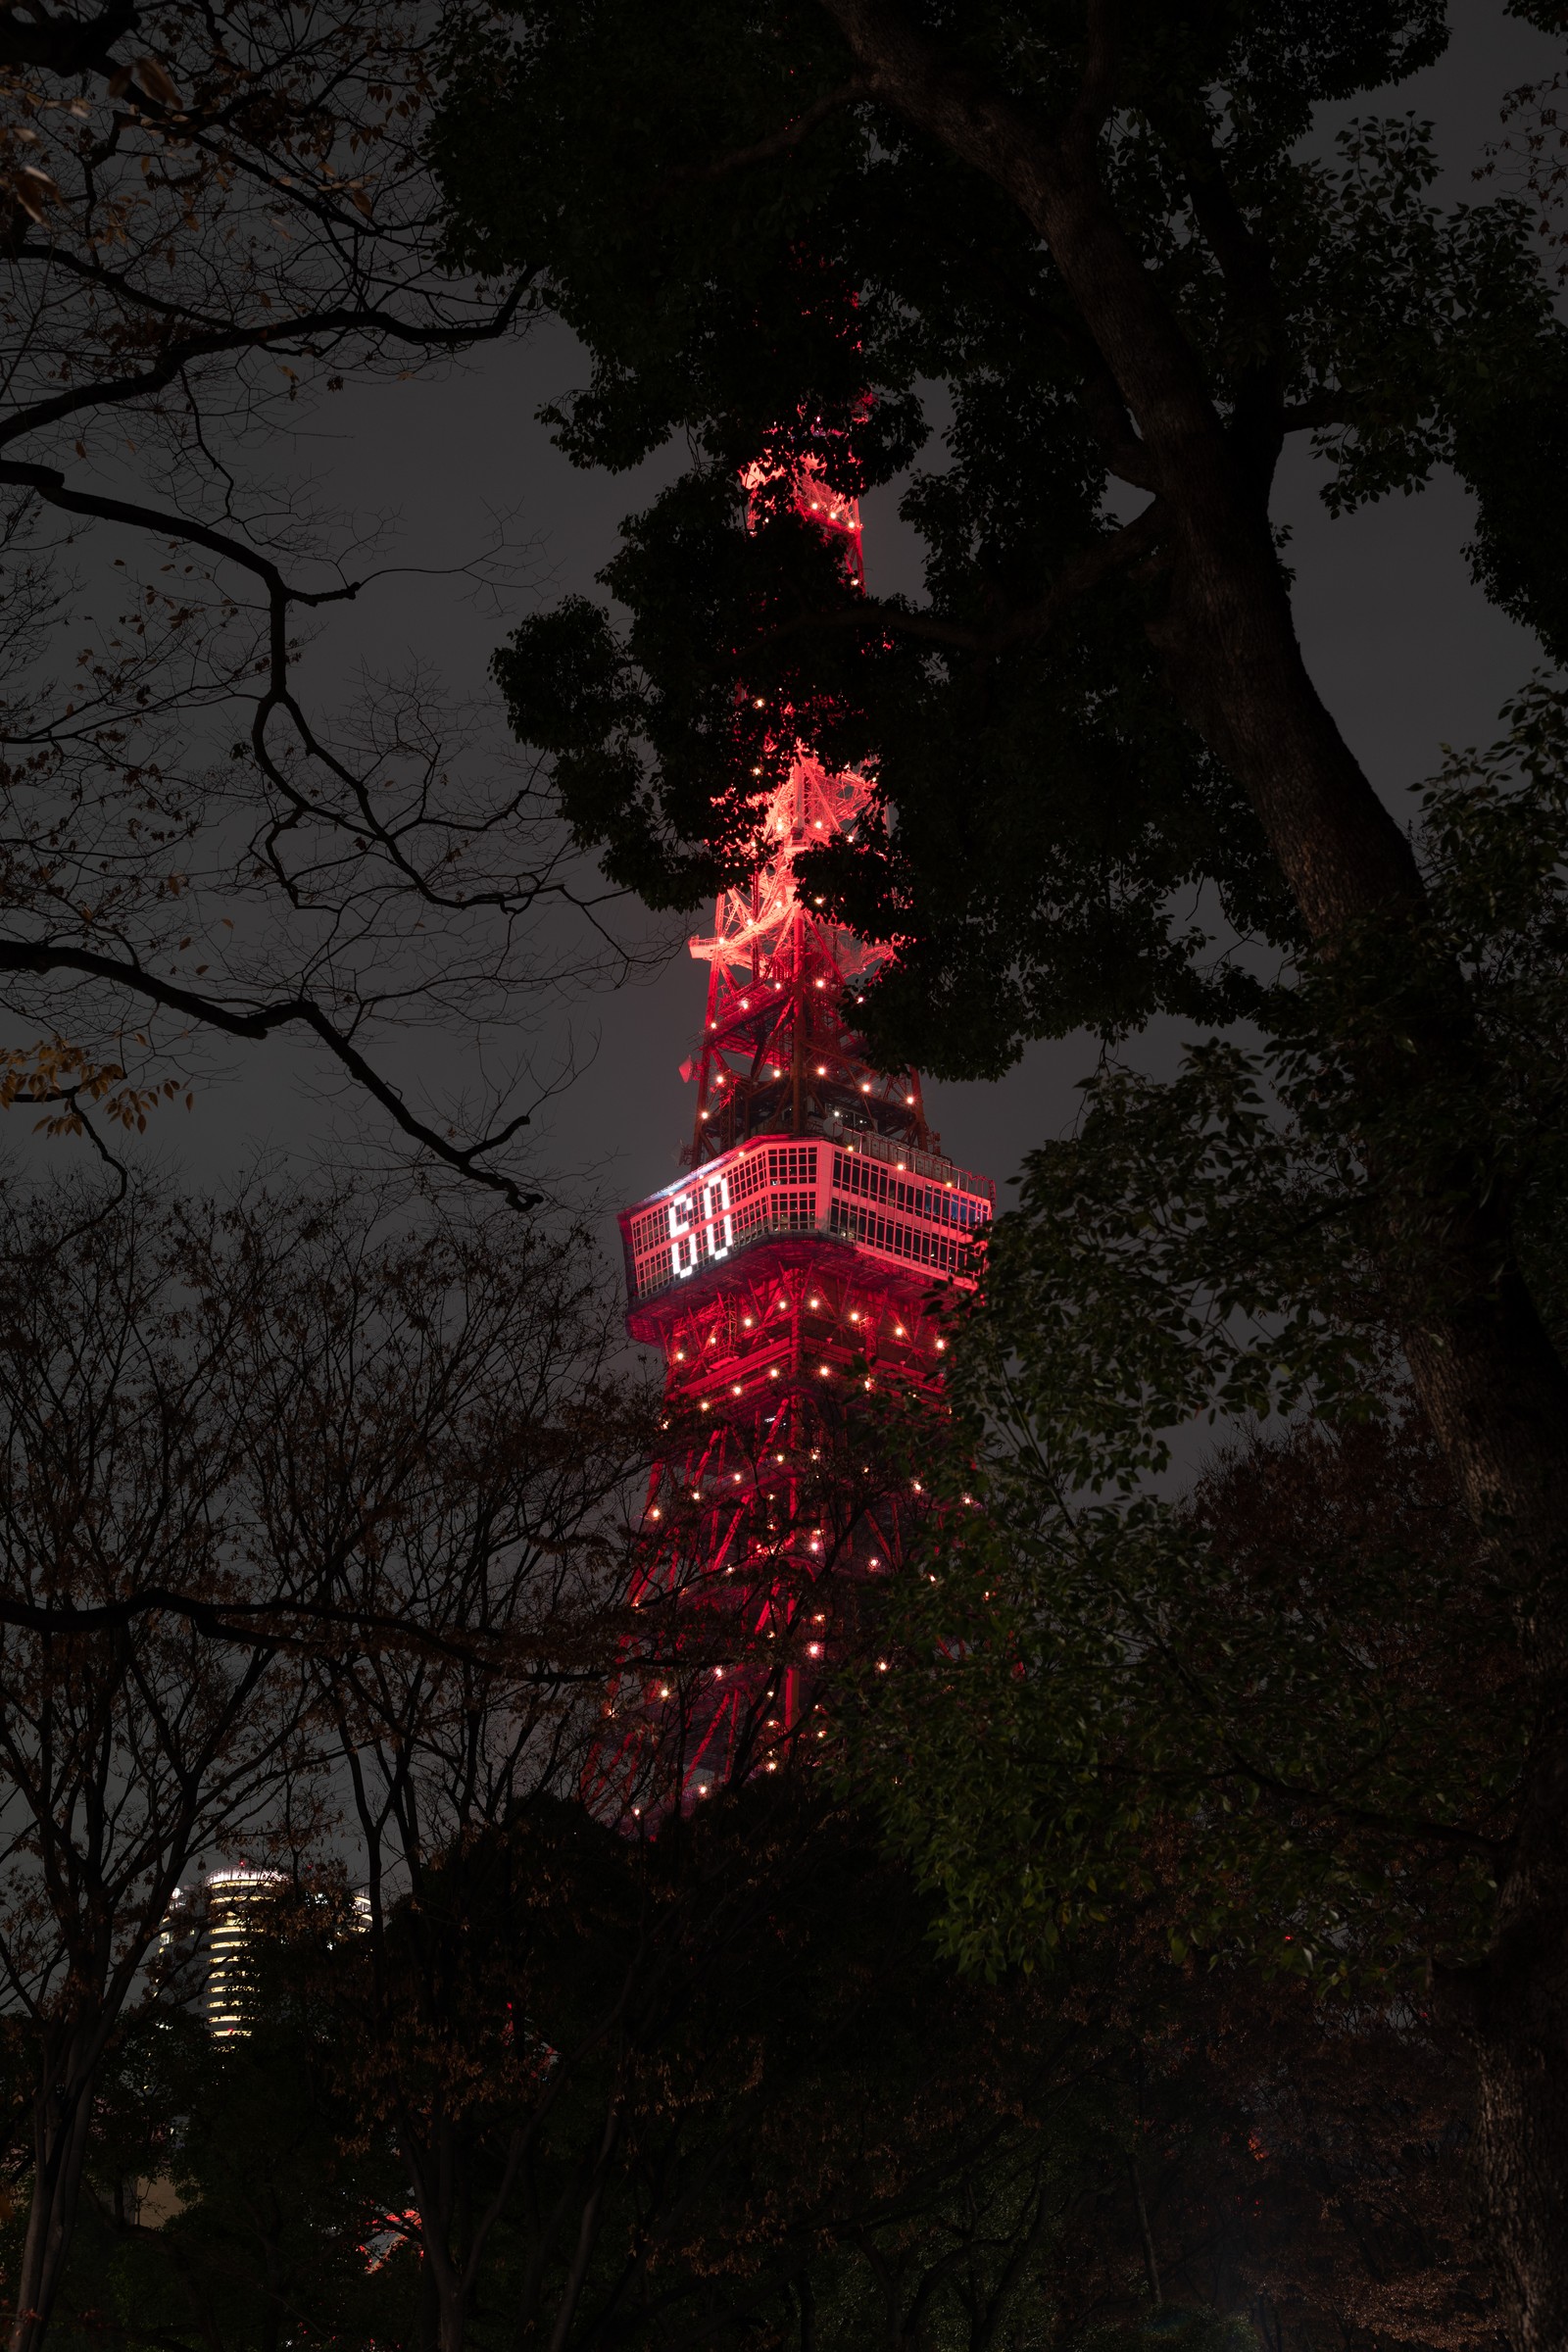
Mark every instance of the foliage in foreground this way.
pixel 821 2135
pixel 1297 1698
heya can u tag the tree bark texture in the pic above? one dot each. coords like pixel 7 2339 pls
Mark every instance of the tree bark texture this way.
pixel 1487 1372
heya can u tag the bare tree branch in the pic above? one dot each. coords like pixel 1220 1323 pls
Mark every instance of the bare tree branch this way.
pixel 260 1021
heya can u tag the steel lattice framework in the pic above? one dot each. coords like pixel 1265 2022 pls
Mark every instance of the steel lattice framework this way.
pixel 794 1281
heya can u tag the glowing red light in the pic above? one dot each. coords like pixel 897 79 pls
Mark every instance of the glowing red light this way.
pixel 800 1152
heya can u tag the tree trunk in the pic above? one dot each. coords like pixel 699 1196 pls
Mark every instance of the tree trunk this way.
pixel 1484 1366
pixel 1487 1373
pixel 443 2289
pixel 61 2120
pixel 1517 2016
pixel 805 2302
pixel 453 2320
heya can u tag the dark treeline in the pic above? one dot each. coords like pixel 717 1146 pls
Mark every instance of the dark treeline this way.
pixel 749 2103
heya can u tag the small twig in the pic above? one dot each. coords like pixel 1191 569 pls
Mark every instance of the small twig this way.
pixel 68 1095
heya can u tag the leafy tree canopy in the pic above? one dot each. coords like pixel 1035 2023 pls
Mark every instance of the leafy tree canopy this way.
pixel 761 255
pixel 1293 1703
pixel 1112 256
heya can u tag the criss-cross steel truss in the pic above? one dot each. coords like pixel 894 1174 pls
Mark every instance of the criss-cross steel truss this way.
pixel 793 1282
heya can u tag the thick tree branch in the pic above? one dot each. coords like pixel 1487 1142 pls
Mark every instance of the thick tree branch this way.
pixel 1247 268
pixel 779 142
pixel 1229 642
pixel 302 329
pixel 1154 367
pixel 1096 91
pixel 261 1021
pixel 50 484
pixel 1109 420
pixel 289 1621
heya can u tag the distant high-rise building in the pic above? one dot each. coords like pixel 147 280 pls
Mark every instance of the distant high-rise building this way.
pixel 238 1902
pixel 214 1926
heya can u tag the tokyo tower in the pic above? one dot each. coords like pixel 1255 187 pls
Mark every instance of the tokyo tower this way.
pixel 793 1281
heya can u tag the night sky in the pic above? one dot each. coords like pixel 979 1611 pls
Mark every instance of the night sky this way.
pixel 1405 650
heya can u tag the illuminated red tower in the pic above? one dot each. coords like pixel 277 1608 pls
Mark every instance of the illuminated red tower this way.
pixel 792 1280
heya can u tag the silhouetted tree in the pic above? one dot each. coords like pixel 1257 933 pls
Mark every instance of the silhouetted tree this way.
pixel 249 1455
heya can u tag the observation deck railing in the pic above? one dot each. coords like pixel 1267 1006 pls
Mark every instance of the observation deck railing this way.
pixel 907 1208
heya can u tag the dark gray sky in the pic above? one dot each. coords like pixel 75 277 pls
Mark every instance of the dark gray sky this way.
pixel 1405 651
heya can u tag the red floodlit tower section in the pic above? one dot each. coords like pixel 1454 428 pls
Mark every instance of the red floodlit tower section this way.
pixel 794 1281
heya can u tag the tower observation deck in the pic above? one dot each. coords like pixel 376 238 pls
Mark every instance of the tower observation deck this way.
pixel 793 1280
